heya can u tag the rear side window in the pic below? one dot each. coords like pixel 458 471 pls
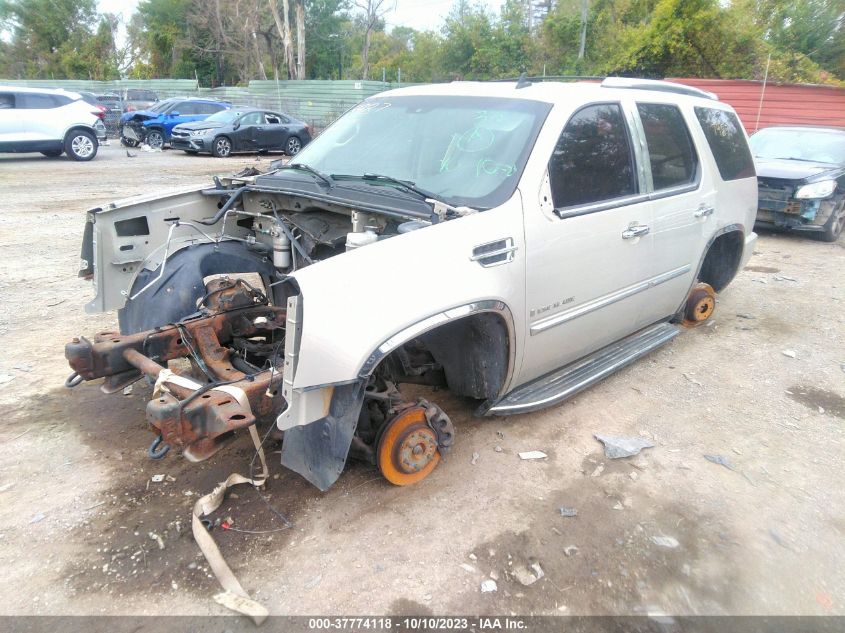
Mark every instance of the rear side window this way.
pixel 592 160
pixel 35 101
pixel 727 142
pixel 7 101
pixel 670 149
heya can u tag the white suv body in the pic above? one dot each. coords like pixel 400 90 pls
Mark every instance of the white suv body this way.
pixel 617 212
pixel 48 121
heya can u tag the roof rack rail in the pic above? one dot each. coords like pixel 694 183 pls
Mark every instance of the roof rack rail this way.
pixel 660 86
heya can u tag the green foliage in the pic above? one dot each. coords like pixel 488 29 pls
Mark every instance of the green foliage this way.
pixel 56 39
pixel 232 41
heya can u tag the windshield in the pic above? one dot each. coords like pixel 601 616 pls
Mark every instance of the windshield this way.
pixel 821 146
pixel 224 116
pixel 466 150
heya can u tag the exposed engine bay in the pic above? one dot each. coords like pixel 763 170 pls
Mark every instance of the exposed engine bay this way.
pixel 184 261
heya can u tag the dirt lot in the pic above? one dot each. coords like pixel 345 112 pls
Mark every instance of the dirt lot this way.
pixel 83 528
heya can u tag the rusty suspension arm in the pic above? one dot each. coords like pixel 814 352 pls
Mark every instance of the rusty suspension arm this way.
pixel 197 417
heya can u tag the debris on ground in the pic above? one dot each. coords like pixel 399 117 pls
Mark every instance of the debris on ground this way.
pixel 5 487
pixel 157 479
pixel 692 380
pixel 568 512
pixel 474 459
pixel 665 541
pixel 746 316
pixel 498 449
pixel 784 278
pixel 633 475
pixel 598 471
pixel 468 568
pixel 127 390
pixel 618 446
pixel 532 455
pixel 527 576
pixel 472 556
pixel 788 353
pixel 38 518
pixel 23 367
pixel 488 586
pixel 155 537
pixel 570 550
pixel 721 460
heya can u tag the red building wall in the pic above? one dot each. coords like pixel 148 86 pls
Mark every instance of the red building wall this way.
pixel 783 104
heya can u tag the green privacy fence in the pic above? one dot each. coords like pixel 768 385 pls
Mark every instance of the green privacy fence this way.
pixel 316 102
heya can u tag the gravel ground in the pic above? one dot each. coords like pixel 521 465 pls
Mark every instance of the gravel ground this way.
pixel 85 531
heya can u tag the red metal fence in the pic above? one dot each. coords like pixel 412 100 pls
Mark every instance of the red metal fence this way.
pixel 783 104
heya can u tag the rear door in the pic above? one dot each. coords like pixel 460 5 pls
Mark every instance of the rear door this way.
pixel 274 132
pixel 683 196
pixel 37 114
pixel 588 243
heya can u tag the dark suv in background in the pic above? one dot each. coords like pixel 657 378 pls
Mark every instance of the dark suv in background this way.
pixel 137 99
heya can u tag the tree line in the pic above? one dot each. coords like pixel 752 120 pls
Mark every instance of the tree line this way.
pixel 230 42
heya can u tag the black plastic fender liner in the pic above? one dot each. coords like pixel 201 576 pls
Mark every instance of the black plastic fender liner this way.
pixel 176 294
pixel 318 451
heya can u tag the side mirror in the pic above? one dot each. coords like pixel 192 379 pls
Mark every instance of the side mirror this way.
pixel 236 125
pixel 174 114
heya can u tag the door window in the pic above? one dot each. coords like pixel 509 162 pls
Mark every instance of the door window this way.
pixel 7 101
pixel 186 108
pixel 727 142
pixel 674 162
pixel 34 101
pixel 253 118
pixel 592 160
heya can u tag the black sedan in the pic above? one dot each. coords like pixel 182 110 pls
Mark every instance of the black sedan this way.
pixel 242 130
pixel 801 179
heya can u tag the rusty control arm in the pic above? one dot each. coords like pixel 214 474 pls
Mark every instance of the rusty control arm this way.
pixel 198 415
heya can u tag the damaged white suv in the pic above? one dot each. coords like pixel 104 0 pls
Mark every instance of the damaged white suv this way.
pixel 514 243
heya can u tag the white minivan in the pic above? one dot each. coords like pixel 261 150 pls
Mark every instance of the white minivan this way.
pixel 49 121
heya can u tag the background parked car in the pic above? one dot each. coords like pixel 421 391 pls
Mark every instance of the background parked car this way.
pixel 48 121
pixel 801 179
pixel 242 130
pixel 137 99
pixel 114 109
pixel 91 99
pixel 154 126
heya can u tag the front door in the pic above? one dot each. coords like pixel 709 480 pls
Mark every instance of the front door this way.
pixel 248 133
pixel 588 243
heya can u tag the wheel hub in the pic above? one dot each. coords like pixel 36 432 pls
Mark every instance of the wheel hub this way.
pixel 409 447
pixel 700 305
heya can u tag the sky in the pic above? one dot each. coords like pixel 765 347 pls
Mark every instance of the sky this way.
pixel 419 14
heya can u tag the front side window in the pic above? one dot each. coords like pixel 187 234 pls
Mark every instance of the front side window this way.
pixel 253 118
pixel 670 149
pixel 186 108
pixel 592 160
pixel 727 142
pixel 466 150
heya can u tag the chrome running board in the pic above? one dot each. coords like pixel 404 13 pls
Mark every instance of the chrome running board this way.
pixel 563 383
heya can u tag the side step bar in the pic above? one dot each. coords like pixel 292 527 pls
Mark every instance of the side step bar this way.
pixel 563 383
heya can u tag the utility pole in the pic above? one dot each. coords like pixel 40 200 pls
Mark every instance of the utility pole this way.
pixel 584 12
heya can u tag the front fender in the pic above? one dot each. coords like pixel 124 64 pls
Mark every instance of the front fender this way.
pixel 358 306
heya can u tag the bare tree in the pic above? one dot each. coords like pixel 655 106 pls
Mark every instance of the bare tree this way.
pixel 283 26
pixel 374 10
pixel 300 38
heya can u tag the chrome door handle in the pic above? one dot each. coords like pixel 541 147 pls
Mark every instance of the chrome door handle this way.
pixel 635 230
pixel 704 210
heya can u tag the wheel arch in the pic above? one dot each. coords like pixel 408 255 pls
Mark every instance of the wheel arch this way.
pixel 84 128
pixel 475 343
pixel 722 257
